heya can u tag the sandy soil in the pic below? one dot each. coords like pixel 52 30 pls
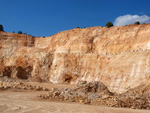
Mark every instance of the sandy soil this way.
pixel 19 101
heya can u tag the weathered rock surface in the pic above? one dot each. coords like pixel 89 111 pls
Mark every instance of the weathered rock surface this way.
pixel 119 57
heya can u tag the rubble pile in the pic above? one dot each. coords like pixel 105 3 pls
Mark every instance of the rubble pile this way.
pixel 9 83
pixel 137 98
pixel 96 93
pixel 84 92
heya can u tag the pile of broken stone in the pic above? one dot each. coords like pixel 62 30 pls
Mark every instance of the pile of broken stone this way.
pixel 10 83
pixel 84 92
pixel 96 93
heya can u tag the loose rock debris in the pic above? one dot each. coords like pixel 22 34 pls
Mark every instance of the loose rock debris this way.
pixel 96 93
pixel 9 83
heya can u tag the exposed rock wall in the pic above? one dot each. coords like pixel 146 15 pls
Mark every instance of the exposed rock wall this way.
pixel 117 56
pixel 12 39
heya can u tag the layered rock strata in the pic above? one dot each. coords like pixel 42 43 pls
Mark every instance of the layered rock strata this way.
pixel 119 57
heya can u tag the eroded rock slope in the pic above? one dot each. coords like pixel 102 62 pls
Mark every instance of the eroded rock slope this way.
pixel 119 57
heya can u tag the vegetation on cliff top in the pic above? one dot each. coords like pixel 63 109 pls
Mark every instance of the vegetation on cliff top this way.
pixel 137 23
pixel 109 24
pixel 19 32
pixel 1 28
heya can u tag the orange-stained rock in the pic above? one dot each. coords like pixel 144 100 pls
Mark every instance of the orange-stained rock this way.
pixel 117 56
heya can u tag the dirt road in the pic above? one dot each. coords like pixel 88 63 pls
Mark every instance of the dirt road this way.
pixel 28 102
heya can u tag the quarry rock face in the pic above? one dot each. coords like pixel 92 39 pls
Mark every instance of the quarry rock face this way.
pixel 119 57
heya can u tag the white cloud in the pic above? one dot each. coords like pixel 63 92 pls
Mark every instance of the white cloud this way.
pixel 131 19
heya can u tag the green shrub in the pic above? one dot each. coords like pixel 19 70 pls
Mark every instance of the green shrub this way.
pixel 1 28
pixel 137 23
pixel 109 24
pixel 19 32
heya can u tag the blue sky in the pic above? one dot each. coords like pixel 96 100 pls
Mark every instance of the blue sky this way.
pixel 47 17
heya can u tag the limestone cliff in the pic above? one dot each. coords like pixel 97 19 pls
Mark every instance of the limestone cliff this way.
pixel 117 56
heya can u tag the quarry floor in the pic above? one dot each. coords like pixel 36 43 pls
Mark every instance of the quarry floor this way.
pixel 21 101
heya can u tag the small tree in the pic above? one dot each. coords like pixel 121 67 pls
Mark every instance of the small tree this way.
pixel 137 23
pixel 1 28
pixel 19 32
pixel 109 24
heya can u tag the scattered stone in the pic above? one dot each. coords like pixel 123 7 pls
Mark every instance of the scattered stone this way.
pixel 7 83
pixel 96 93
